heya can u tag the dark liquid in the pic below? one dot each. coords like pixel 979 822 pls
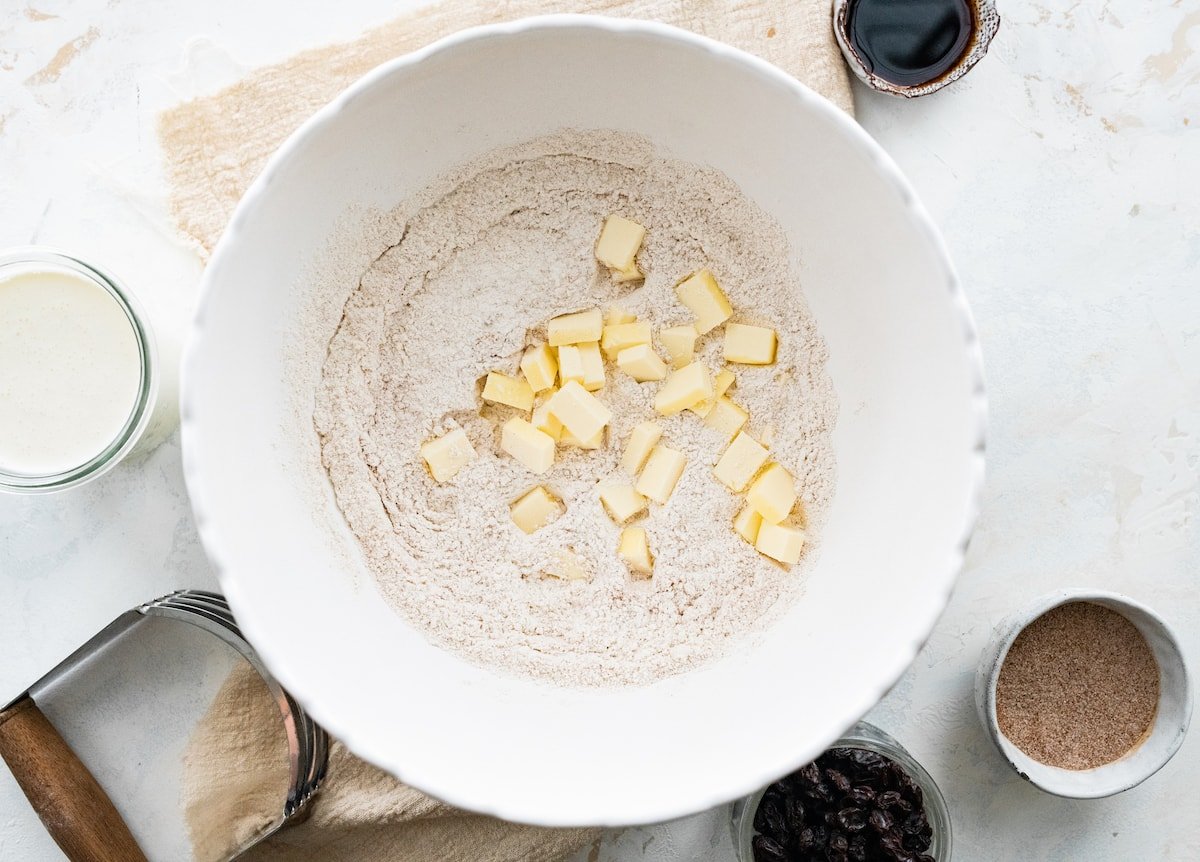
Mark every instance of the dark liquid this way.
pixel 910 42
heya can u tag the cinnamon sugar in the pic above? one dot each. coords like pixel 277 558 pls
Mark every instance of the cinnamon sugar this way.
pixel 1078 688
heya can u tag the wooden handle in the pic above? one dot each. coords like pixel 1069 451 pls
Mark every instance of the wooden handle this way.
pixel 77 813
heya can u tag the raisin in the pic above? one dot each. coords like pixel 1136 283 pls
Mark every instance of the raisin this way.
pixel 769 819
pixel 820 792
pixel 880 820
pixel 838 842
pixel 839 781
pixel 810 775
pixel 867 759
pixel 861 795
pixel 905 783
pixel 887 799
pixel 914 824
pixel 795 812
pixel 892 842
pixel 768 850
pixel 852 819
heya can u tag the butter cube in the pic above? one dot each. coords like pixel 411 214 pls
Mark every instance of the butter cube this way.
pixel 641 363
pixel 534 510
pixel 528 445
pixel 780 542
pixel 619 242
pixel 749 345
pixel 513 391
pixel 642 439
pixel 661 473
pixel 701 293
pixel 448 454
pixel 593 442
pixel 593 366
pixel 741 461
pixel 544 422
pixel 680 343
pixel 580 412
pixel 566 565
pixel 685 387
pixel 583 326
pixel 619 336
pixel 539 367
pixel 582 363
pixel 570 364
pixel 721 384
pixel 618 315
pixel 621 501
pixel 634 549
pixel 747 524
pixel 620 276
pixel 773 494
pixel 726 417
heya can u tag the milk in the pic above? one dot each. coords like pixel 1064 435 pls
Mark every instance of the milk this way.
pixel 70 370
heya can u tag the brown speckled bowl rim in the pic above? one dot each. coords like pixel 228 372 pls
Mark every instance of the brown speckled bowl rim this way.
pixel 986 24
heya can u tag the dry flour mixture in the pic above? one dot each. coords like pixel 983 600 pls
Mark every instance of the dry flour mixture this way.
pixel 471 271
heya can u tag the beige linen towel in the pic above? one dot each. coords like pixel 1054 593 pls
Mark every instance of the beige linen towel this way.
pixel 235 778
pixel 213 148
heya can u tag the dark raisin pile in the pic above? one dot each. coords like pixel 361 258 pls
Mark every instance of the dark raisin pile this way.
pixel 850 805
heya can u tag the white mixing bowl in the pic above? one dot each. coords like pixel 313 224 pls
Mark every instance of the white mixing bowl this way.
pixel 903 357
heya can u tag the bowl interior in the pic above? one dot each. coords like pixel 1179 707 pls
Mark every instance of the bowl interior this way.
pixel 908 440
pixel 1170 722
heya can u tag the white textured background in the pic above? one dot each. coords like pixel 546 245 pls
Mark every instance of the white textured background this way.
pixel 1065 172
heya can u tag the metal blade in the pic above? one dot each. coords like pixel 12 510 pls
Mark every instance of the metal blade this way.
pixel 105 636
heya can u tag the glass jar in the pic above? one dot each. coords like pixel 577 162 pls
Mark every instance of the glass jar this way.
pixel 21 261
pixel 871 738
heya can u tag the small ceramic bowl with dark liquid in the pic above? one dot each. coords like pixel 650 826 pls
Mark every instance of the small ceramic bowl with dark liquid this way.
pixel 913 47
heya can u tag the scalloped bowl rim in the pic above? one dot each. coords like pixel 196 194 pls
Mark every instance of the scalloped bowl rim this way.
pixel 276 655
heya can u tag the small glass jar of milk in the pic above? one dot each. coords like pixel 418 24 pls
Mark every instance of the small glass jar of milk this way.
pixel 78 371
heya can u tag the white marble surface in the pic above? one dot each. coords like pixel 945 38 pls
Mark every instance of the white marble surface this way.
pixel 1065 171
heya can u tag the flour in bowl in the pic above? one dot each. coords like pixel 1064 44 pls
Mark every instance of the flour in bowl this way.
pixel 468 275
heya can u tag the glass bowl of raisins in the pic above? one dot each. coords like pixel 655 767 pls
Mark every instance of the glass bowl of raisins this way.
pixel 864 800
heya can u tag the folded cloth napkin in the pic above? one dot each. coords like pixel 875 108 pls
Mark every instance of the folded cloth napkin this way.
pixel 235 780
pixel 213 148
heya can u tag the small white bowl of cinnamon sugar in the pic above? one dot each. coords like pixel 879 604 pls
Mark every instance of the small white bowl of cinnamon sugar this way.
pixel 1085 693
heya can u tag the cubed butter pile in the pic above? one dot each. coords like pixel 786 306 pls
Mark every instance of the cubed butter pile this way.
pixel 556 394
pixel 770 499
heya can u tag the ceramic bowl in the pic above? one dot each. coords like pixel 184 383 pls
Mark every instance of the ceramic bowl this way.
pixel 986 24
pixel 903 356
pixel 1166 734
